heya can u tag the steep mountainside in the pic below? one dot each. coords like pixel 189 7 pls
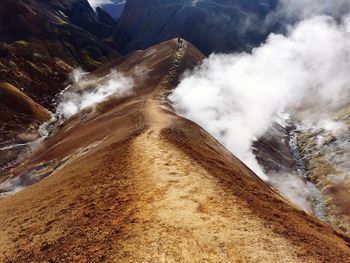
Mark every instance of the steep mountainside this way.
pixel 211 25
pixel 106 18
pixel 40 43
pixel 129 181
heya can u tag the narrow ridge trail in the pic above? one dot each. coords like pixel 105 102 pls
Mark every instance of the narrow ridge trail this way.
pixel 180 214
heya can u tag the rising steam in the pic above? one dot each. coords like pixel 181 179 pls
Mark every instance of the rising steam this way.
pixel 87 92
pixel 305 72
pixel 237 97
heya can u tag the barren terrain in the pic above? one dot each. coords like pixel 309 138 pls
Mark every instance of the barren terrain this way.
pixel 132 182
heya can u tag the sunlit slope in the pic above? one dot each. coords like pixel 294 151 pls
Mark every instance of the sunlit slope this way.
pixel 20 102
pixel 133 183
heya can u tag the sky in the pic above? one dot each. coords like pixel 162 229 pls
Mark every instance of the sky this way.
pixel 96 3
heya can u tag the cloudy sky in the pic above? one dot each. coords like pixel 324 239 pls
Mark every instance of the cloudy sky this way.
pixel 96 3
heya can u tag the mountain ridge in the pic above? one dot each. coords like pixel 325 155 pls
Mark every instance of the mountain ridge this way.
pixel 156 173
pixel 113 174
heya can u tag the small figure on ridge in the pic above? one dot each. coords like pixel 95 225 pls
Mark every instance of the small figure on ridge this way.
pixel 179 43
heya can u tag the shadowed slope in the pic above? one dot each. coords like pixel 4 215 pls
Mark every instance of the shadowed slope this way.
pixel 137 183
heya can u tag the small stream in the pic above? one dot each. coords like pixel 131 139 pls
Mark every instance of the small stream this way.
pixel 317 202
pixel 14 146
pixel 44 129
pixel 13 154
pixel 43 132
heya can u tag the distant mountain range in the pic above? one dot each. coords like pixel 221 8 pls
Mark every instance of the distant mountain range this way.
pixel 211 25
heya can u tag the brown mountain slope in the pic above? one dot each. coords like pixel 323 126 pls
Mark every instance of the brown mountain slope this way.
pixel 20 102
pixel 16 106
pixel 132 182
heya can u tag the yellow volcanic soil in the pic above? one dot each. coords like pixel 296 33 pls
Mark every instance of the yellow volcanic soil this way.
pixel 154 187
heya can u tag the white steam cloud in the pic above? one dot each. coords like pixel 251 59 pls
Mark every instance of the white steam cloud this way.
pixel 237 97
pixel 294 188
pixel 87 92
pixel 303 74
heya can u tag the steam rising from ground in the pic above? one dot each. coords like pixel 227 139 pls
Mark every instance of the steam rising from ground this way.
pixel 87 92
pixel 294 188
pixel 237 97
pixel 304 74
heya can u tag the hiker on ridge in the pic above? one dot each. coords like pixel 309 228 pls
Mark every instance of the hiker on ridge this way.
pixel 179 43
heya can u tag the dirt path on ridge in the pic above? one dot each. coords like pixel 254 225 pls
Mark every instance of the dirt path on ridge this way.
pixel 182 206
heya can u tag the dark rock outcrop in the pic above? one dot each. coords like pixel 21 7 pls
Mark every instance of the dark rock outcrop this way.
pixel 272 151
